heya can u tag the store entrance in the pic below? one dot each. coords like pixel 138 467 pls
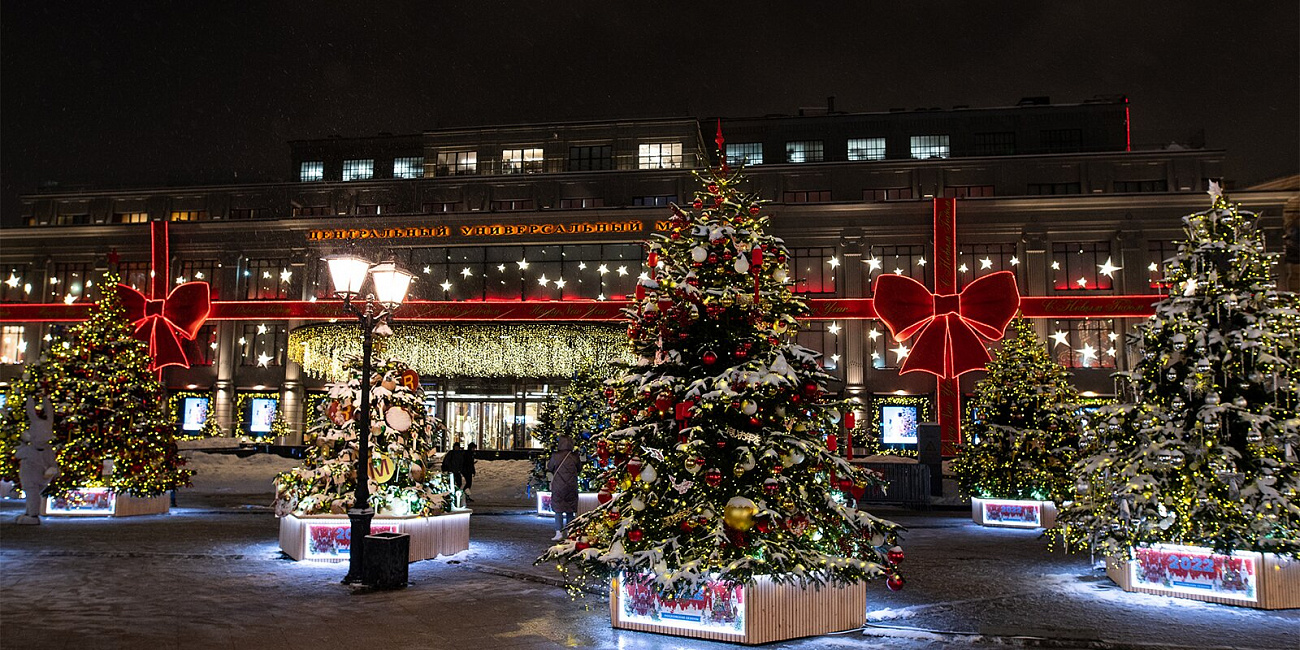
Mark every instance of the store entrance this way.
pixel 493 416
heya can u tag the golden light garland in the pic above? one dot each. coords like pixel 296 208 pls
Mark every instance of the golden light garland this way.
pixel 467 350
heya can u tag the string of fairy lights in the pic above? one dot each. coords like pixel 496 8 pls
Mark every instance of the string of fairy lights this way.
pixel 468 350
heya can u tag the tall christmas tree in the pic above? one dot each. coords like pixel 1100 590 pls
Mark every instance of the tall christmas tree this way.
pixel 579 411
pixel 1205 454
pixel 112 426
pixel 721 464
pixel 1022 425
pixel 403 480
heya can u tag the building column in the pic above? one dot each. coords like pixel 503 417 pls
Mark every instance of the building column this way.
pixel 1037 261
pixel 223 407
pixel 293 397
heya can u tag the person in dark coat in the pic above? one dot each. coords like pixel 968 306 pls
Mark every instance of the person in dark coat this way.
pixel 452 463
pixel 467 469
pixel 563 466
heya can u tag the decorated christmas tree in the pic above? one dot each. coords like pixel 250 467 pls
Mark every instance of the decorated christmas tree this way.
pixel 579 411
pixel 1204 454
pixel 403 480
pixel 1022 427
pixel 721 462
pixel 112 426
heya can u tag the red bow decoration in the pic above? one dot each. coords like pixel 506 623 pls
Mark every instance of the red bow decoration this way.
pixel 950 326
pixel 162 323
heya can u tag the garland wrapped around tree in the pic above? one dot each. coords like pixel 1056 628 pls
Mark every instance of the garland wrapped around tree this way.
pixel 1022 425
pixel 403 480
pixel 1205 453
pixel 722 465
pixel 112 426
pixel 579 411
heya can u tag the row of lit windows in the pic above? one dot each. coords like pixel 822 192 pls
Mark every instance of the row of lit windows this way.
pixel 522 160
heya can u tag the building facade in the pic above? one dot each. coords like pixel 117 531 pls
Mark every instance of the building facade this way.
pixel 554 213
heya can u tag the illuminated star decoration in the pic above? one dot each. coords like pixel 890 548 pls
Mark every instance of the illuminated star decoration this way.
pixel 901 351
pixel 602 269
pixel 446 285
pixel 501 268
pixel 1083 282
pixel 198 275
pixel 68 299
pixel 921 262
pixel 986 263
pixel 834 329
pixel 243 341
pixel 1110 352
pixel 622 270
pixel 543 281
pixel 263 360
pixel 286 275
pixel 1108 268
pixel 1056 266
pixel 180 279
pixel 1215 191
pixel 873 264
pixel 874 334
pixel 428 270
pixel 465 272
pixel 1015 261
pixel 1153 267
pixel 1088 352
pixel 12 281
pixel 559 283
pixel 1060 338
pixel 261 329
pixel 266 275
pixel 898 271
pixel 582 266
pixel 835 358
pixel 963 268
pixel 834 262
pixel 523 264
pixel 1189 287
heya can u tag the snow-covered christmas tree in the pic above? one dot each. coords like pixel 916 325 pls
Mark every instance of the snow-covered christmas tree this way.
pixel 112 426
pixel 1022 426
pixel 721 459
pixel 1204 453
pixel 579 410
pixel 403 479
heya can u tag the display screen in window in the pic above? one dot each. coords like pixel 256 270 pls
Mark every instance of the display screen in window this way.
pixel 263 415
pixel 898 425
pixel 194 413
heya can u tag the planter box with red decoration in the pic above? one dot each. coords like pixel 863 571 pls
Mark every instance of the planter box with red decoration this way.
pixel 1013 513
pixel 1245 579
pixel 328 538
pixel 586 501
pixel 103 502
pixel 761 611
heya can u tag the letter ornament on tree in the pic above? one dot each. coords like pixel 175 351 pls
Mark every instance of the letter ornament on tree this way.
pixel 718 465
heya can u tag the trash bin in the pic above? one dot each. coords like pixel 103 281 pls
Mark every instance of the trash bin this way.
pixel 384 560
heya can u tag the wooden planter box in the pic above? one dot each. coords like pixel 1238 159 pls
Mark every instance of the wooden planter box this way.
pixel 1013 513
pixel 103 502
pixel 759 612
pixel 1245 579
pixel 586 501
pixel 327 538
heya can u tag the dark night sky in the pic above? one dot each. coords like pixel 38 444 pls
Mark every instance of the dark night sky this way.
pixel 135 93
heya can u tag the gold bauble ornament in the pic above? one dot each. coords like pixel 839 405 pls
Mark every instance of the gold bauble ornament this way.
pixel 739 513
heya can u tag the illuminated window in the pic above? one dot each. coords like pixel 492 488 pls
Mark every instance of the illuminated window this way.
pixel 661 201
pixel 16 284
pixel 993 144
pixel 577 204
pixel 929 146
pixel 882 350
pixel 1132 187
pixel 1062 140
pixel 967 191
pixel 1088 343
pixel 745 153
pixel 1053 188
pixel 376 208
pixel 812 271
pixel 411 167
pixel 71 219
pixel 509 205
pixel 13 347
pixel 887 194
pixel 1158 252
pixel 907 260
pixel 444 206
pixel 270 279
pixel 659 155
pixel 311 170
pixel 68 279
pixel 189 215
pixel 867 149
pixel 457 163
pixel 804 151
pixel 136 275
pixel 976 260
pixel 522 161
pixel 1077 266
pixel 807 196
pixel 817 336
pixel 312 211
pixel 358 170
pixel 200 270
pixel 591 158
pixel 131 217
pixel 263 344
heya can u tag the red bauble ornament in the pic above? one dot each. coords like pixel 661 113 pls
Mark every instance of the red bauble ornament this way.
pixel 634 535
pixel 771 486
pixel 614 515
pixel 832 443
pixel 857 491
pixel 754 421
pixel 675 235
pixel 664 403
pixel 709 358
pixel 811 388
pixel 713 477
pixel 634 466
pixel 895 555
pixel 845 483
pixel 699 460
pixel 609 392
pixel 698 204
pixel 713 189
pixel 713 258
pixel 653 259
pixel 640 291
pixel 722 444
pixel 795 398
pixel 754 210
pixel 895 582
pixel 717 201
pixel 604 496
pixel 742 353
pixel 763 526
pixel 581 546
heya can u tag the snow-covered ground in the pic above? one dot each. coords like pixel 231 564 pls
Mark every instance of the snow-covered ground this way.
pixel 496 482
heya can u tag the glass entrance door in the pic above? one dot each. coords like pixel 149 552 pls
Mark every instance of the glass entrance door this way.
pixel 488 423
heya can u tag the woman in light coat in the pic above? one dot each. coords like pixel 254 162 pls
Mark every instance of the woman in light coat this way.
pixel 564 484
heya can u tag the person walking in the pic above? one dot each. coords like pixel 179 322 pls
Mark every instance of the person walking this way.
pixel 467 469
pixel 563 466
pixel 452 462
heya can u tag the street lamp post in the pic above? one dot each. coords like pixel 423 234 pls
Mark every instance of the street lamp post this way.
pixel 390 285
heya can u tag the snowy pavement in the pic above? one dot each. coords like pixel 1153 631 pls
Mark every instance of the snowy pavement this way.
pixel 210 575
